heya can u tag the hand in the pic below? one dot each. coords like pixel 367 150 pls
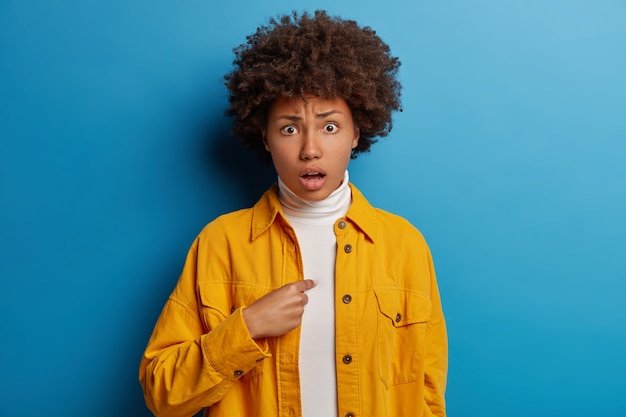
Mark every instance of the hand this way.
pixel 278 312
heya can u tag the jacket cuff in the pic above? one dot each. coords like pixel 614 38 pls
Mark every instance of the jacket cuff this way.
pixel 230 350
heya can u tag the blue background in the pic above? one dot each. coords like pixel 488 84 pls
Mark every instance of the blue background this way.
pixel 509 156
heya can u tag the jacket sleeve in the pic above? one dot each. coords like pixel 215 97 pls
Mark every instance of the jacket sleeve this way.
pixel 187 367
pixel 436 355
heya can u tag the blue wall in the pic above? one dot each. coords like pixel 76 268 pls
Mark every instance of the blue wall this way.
pixel 509 156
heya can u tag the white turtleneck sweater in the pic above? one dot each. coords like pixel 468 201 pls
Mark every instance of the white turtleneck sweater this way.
pixel 313 222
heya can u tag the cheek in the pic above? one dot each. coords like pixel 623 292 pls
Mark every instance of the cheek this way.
pixel 279 160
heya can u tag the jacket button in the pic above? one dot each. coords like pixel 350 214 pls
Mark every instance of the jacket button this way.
pixel 350 415
pixel 347 359
pixel 342 224
pixel 346 299
pixel 347 248
pixel 398 317
pixel 238 373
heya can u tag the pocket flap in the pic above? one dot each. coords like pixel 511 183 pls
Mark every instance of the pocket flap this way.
pixel 403 307
pixel 227 297
pixel 216 297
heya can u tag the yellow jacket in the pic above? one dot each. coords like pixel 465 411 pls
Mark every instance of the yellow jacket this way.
pixel 391 344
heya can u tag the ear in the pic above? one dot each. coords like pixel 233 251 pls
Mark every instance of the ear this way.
pixel 357 135
pixel 264 139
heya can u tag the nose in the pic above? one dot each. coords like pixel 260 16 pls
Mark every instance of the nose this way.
pixel 311 147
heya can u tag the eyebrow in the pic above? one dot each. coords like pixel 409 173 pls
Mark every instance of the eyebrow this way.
pixel 294 118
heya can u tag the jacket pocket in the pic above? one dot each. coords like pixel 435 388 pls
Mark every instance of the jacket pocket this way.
pixel 219 300
pixel 401 329
pixel 215 302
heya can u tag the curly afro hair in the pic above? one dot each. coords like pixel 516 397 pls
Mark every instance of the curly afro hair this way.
pixel 320 55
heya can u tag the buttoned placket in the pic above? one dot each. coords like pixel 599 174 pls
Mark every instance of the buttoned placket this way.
pixel 345 310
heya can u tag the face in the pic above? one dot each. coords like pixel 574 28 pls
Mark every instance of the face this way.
pixel 310 141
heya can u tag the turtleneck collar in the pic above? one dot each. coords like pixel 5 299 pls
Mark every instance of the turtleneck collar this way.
pixel 330 209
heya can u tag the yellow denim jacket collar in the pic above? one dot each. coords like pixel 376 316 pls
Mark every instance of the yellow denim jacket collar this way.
pixel 265 211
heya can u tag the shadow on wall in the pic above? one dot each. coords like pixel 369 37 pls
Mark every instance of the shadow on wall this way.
pixel 243 177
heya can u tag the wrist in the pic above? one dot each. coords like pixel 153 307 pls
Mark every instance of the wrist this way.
pixel 248 319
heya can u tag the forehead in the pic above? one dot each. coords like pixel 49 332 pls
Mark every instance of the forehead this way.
pixel 309 103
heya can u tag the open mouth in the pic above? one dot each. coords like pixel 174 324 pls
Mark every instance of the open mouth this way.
pixel 313 176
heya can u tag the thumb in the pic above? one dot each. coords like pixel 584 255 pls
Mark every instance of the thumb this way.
pixel 307 284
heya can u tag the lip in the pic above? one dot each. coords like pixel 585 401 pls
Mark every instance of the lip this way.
pixel 312 170
pixel 313 183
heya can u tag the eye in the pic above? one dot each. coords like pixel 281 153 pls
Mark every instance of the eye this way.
pixel 330 127
pixel 289 130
